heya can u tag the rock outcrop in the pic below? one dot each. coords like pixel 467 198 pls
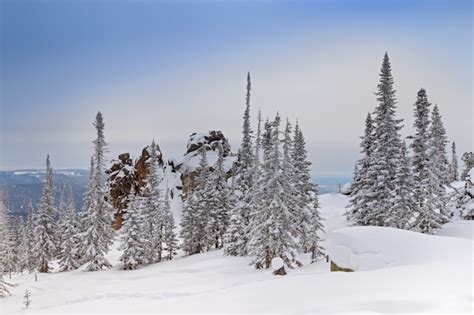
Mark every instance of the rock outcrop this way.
pixel 125 174
pixel 190 162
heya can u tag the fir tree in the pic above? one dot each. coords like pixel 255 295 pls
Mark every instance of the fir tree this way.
pixel 19 243
pixel 404 204
pixel 6 244
pixel 386 154
pixel 30 238
pixel 45 246
pixel 362 186
pixel 439 164
pixel 98 233
pixel 234 238
pixel 468 160
pixel 245 179
pixel 454 168
pixel 420 145
pixel 466 199
pixel 271 219
pixel 134 246
pixel 308 226
pixel 169 236
pixel 61 222
pixel 69 258
pixel 154 220
pixel 437 144
pixel 196 211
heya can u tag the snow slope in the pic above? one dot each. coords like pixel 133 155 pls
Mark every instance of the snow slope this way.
pixel 213 283
pixel 373 247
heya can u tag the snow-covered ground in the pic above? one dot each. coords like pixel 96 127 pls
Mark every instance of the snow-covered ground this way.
pixel 424 274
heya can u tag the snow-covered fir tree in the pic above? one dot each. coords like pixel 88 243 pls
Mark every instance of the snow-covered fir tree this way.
pixel 387 148
pixel 82 217
pixel 309 225
pixel 420 145
pixel 438 142
pixel 170 240
pixel 258 145
pixel 153 215
pixel 45 246
pixel 218 203
pixel 61 218
pixel 439 162
pixel 245 177
pixel 69 258
pixel 20 242
pixel 465 201
pixel 4 244
pixel 30 238
pixel 454 166
pixel 134 245
pixel 196 211
pixel 468 160
pixel 404 204
pixel 235 235
pixel 97 221
pixel 427 180
pixel 272 226
pixel 364 179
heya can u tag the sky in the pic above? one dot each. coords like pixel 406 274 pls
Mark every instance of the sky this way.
pixel 165 69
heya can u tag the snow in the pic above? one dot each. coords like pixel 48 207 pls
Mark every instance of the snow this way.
pixel 277 263
pixel 346 188
pixel 372 247
pixel 424 273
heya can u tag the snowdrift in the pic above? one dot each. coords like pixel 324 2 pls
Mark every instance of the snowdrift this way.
pixel 370 247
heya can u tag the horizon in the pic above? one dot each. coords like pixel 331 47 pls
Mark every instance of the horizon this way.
pixel 168 72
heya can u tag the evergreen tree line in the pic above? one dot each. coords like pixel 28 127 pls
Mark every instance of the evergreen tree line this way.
pixel 83 239
pixel 270 209
pixel 392 188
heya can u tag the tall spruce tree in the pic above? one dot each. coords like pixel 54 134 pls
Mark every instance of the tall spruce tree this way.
pixel 468 160
pixel 61 219
pixel 134 245
pixel 97 221
pixel 386 154
pixel 30 238
pixel 218 202
pixel 169 236
pixel 4 244
pixel 364 179
pixel 454 168
pixel 420 146
pixel 245 179
pixel 404 204
pixel 153 218
pixel 234 237
pixel 45 245
pixel 438 142
pixel 196 211
pixel 272 226
pixel 309 224
pixel 439 163
pixel 69 258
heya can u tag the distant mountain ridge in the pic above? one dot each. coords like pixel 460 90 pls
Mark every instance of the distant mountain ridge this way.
pixel 25 185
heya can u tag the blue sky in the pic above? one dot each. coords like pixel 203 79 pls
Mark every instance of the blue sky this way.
pixel 165 69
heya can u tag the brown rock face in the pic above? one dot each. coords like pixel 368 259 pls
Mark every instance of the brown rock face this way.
pixel 122 176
